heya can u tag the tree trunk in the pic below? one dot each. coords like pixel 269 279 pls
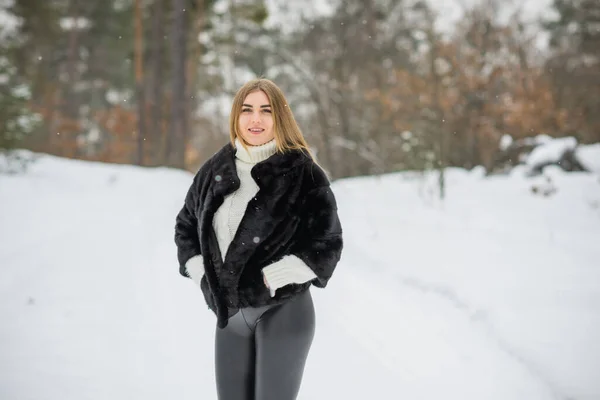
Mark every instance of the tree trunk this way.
pixel 438 123
pixel 156 151
pixel 70 102
pixel 178 135
pixel 139 83
pixel 193 62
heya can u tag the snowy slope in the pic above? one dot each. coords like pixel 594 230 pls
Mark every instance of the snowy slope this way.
pixel 494 294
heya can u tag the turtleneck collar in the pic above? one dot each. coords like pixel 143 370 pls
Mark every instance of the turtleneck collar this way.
pixel 255 154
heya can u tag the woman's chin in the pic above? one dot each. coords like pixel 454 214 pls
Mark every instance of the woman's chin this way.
pixel 256 140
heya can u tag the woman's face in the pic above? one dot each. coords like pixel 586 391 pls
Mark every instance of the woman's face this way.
pixel 256 119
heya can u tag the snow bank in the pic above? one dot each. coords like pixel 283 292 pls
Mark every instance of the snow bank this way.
pixel 551 151
pixel 589 156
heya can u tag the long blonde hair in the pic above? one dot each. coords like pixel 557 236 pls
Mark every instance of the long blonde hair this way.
pixel 288 135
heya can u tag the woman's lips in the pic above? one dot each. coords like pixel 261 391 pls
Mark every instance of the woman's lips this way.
pixel 256 131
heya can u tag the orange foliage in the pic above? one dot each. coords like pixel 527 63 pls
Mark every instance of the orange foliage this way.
pixel 121 126
pixel 479 91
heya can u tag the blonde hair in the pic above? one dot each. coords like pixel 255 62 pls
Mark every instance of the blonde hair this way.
pixel 288 135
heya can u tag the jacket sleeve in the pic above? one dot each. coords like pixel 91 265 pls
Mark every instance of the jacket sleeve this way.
pixel 186 228
pixel 320 241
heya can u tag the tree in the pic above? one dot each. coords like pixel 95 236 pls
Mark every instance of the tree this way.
pixel 575 65
pixel 17 121
pixel 156 84
pixel 346 64
pixel 139 83
pixel 75 57
pixel 177 138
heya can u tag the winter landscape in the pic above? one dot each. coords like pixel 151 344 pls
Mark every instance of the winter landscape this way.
pixel 493 293
pixel 462 139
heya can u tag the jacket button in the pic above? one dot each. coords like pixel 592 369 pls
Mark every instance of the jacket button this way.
pixel 231 272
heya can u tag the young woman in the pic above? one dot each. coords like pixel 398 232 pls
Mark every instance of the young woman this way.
pixel 258 227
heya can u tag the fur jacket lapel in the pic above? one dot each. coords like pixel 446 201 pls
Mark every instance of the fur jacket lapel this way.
pixel 275 178
pixel 276 223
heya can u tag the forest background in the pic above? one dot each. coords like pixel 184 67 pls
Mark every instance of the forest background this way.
pixel 377 86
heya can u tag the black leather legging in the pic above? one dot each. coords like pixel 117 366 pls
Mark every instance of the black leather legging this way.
pixel 261 353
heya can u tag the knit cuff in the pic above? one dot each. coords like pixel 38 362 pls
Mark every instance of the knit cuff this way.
pixel 195 268
pixel 290 269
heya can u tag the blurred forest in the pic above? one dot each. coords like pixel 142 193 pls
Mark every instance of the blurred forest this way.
pixel 376 85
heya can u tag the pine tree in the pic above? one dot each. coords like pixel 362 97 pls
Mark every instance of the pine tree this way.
pixel 17 121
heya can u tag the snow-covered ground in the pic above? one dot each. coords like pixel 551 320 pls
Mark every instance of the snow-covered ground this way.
pixel 493 294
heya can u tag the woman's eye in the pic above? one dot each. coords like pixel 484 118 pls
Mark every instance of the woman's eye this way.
pixel 268 111
pixel 246 110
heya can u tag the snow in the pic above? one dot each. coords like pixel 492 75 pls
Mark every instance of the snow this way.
pixel 8 21
pixel 505 142
pixel 450 12
pixel 289 16
pixel 538 139
pixel 70 23
pixel 492 294
pixel 551 151
pixel 589 156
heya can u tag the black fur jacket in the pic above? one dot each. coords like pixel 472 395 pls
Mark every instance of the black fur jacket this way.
pixel 294 212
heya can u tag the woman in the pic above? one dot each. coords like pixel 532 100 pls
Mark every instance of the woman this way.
pixel 259 226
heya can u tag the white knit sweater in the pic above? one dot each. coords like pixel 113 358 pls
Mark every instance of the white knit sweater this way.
pixel 290 269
